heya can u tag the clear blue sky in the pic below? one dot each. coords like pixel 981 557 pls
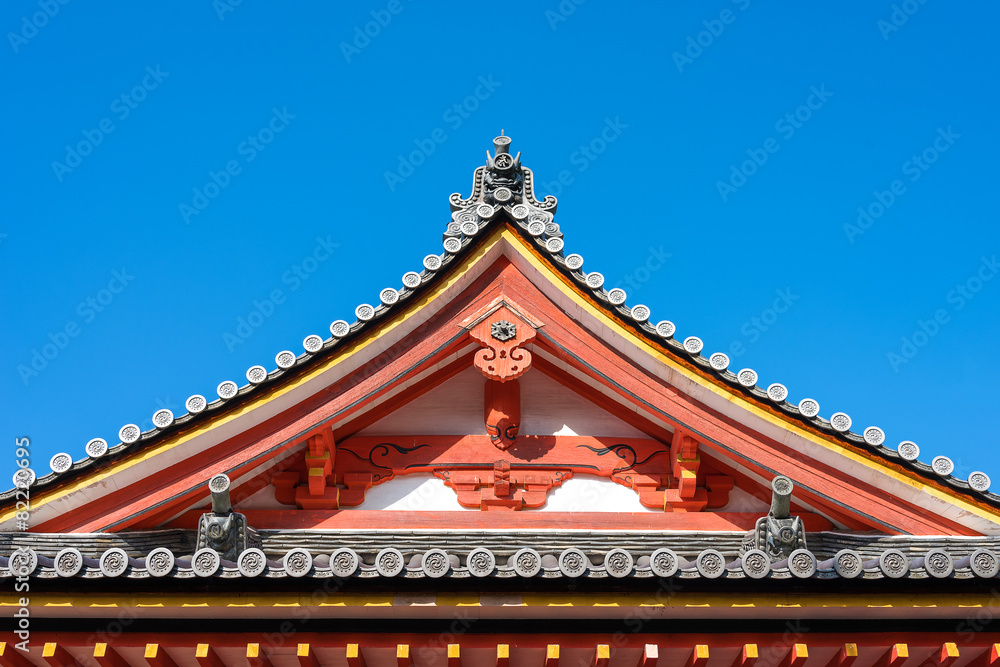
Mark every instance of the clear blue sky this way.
pixel 744 138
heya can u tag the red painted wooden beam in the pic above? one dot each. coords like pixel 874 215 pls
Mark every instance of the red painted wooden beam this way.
pixel 948 653
pixel 747 656
pixel 845 657
pixel 10 656
pixel 57 656
pixel 797 655
pixel 157 656
pixel 256 657
pixel 698 657
pixel 403 658
pixel 354 656
pixel 552 655
pixel 650 656
pixel 207 657
pixel 990 657
pixel 895 656
pixel 602 656
pixel 306 655
pixel 107 656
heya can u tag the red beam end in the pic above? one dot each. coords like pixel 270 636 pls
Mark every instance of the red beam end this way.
pixel 354 656
pixel 306 656
pixel 895 656
pixel 158 657
pixel 106 656
pixel 256 657
pixel 699 656
pixel 747 656
pixel 846 656
pixel 10 656
pixel 403 658
pixel 797 656
pixel 207 657
pixel 650 656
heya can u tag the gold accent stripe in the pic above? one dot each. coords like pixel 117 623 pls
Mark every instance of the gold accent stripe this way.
pixel 531 600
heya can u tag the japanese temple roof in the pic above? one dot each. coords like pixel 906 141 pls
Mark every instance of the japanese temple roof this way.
pixel 472 219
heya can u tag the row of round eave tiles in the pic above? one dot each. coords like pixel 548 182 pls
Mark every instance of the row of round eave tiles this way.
pixel 546 233
pixel 481 562
pixel 747 378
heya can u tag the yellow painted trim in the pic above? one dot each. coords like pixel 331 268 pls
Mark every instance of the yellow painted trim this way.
pixel 455 274
pixel 458 600
pixel 529 600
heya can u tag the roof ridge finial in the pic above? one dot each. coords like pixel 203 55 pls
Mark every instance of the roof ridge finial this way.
pixel 501 144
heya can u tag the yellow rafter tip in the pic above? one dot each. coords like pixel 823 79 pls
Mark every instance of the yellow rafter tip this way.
pixel 453 651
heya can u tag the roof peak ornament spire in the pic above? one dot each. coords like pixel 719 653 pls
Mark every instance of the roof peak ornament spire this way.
pixel 503 182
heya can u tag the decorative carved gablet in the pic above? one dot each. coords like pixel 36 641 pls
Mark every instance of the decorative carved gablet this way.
pixel 222 529
pixel 504 333
pixel 778 534
pixel 504 336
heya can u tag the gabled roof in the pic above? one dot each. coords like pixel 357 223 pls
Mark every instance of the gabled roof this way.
pixel 503 217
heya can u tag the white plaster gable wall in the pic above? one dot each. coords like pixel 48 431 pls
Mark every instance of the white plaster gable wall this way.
pixel 422 492
pixel 456 408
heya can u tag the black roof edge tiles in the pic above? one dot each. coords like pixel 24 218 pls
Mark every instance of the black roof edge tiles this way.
pixel 535 221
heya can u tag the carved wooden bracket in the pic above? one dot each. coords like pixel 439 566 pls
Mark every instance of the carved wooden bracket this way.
pixel 685 463
pixel 504 333
pixel 503 488
pixel 316 488
pixel 669 479
pixel 502 411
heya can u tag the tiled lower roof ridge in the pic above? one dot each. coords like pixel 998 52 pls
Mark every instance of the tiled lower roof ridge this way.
pixel 481 562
